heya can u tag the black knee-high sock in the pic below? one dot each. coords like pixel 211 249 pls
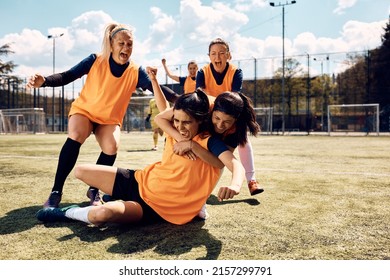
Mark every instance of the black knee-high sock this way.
pixel 67 160
pixel 105 159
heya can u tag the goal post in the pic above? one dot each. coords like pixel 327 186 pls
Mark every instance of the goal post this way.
pixel 353 118
pixel 264 117
pixel 22 120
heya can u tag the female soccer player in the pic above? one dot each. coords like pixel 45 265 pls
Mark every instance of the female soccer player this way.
pixel 100 108
pixel 173 189
pixel 187 82
pixel 217 77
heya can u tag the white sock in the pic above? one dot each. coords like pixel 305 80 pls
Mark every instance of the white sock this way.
pixel 79 214
pixel 246 158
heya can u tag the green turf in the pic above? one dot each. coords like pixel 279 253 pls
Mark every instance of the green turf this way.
pixel 325 198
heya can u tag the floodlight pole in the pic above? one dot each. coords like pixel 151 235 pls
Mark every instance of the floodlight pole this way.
pixel 255 84
pixel 54 67
pixel 323 103
pixel 272 4
pixel 308 114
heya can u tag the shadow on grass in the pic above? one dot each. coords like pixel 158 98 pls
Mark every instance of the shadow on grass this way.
pixel 164 238
pixel 213 200
pixel 169 240
pixel 19 220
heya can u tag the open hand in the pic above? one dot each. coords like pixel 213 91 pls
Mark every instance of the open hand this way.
pixel 35 81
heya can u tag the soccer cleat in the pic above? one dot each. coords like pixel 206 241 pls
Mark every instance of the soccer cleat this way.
pixel 203 214
pixel 254 187
pixel 94 196
pixel 107 198
pixel 54 200
pixel 51 215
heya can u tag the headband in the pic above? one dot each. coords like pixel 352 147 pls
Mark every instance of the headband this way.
pixel 118 30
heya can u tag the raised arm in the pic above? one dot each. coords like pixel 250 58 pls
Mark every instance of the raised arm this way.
pixel 169 74
pixel 145 83
pixel 161 101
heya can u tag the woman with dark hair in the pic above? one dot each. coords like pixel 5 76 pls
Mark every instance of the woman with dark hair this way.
pixel 232 116
pixel 173 189
pixel 221 75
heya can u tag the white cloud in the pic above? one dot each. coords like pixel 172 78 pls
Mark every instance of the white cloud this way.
pixel 34 50
pixel 193 28
pixel 355 36
pixel 246 47
pixel 308 43
pixel 28 42
pixel 86 32
pixel 204 23
pixel 272 46
pixel 30 47
pixel 247 5
pixel 343 5
pixel 162 30
pixel 305 41
pixel 95 21
pixel 361 35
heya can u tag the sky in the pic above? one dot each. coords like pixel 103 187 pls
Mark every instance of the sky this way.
pixel 182 30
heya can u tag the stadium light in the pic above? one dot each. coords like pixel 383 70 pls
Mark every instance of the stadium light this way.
pixel 54 68
pixel 272 4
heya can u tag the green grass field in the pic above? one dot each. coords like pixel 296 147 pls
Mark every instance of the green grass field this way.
pixel 326 198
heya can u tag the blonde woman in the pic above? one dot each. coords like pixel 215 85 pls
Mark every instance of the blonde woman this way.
pixel 100 108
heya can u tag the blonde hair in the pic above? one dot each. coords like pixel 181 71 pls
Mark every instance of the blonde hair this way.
pixel 111 30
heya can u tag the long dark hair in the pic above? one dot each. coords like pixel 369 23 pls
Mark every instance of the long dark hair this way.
pixel 195 104
pixel 238 106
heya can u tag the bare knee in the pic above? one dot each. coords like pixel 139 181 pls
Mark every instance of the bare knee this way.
pixel 80 132
pixel 110 148
pixel 79 128
pixel 100 215
pixel 108 137
pixel 79 171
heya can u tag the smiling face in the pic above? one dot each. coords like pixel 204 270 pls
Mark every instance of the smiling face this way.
pixel 222 121
pixel 219 55
pixel 187 126
pixel 192 69
pixel 122 47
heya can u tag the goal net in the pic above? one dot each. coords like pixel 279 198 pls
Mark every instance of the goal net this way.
pixel 22 120
pixel 136 113
pixel 353 118
pixel 264 117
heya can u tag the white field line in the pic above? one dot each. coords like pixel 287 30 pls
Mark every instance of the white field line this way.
pixel 367 174
pixel 2 156
pixel 302 171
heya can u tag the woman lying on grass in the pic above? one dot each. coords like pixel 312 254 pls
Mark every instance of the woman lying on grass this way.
pixel 174 189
